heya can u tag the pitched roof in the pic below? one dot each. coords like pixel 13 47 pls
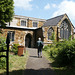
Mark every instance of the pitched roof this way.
pixel 53 21
pixel 30 18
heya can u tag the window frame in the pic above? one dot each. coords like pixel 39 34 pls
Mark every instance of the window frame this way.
pixel 12 38
pixel 47 34
pixel 35 22
pixel 65 26
pixel 21 23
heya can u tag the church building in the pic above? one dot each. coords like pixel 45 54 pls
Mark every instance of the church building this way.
pixel 26 30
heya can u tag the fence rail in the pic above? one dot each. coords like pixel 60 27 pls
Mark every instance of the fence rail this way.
pixel 3 50
pixel 3 56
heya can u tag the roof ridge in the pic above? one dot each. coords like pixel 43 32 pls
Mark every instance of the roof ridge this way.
pixel 56 17
pixel 29 17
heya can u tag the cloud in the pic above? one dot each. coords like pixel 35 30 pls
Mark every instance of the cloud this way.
pixel 54 5
pixel 66 7
pixel 47 6
pixel 25 4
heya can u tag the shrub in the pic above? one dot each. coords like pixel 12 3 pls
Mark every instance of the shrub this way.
pixel 2 45
pixel 46 47
pixel 2 63
pixel 15 48
pixel 64 53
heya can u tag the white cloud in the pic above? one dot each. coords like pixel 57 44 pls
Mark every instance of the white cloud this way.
pixel 66 7
pixel 54 5
pixel 47 6
pixel 25 4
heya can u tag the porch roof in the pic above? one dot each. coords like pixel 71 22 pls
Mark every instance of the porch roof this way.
pixel 22 28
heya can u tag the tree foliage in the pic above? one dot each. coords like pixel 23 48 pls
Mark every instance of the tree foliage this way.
pixel 6 11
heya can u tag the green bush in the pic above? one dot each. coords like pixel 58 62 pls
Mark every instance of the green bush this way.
pixel 65 53
pixel 62 52
pixel 46 48
pixel 15 48
pixel 2 45
pixel 2 63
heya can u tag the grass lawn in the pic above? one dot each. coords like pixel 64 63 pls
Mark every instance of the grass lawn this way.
pixel 59 70
pixel 17 64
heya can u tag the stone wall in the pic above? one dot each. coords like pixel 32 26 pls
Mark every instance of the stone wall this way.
pixel 17 22
pixel 74 35
pixel 29 23
pixel 45 34
pixel 72 29
pixel 40 23
pixel 19 37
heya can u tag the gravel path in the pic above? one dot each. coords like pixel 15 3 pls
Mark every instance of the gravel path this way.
pixel 37 66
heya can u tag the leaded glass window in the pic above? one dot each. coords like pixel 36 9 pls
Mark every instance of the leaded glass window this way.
pixel 50 33
pixel 65 30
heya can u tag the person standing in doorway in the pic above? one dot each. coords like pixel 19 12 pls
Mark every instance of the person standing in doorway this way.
pixel 40 46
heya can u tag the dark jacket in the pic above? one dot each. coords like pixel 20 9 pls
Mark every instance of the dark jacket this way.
pixel 40 44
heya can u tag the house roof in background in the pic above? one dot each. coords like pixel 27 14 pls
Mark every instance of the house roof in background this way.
pixel 53 21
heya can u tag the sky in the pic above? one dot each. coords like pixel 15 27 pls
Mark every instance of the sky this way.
pixel 45 9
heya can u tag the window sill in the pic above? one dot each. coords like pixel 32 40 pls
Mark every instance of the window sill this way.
pixel 50 40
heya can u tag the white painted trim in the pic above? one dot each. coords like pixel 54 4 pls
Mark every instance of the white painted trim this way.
pixel 23 27
pixel 48 42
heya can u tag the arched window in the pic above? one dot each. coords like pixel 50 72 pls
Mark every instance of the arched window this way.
pixel 50 34
pixel 65 30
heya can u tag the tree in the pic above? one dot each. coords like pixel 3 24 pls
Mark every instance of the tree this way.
pixel 6 11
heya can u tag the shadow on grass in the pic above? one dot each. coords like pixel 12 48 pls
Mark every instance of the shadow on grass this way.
pixel 41 71
pixel 61 70
pixel 15 72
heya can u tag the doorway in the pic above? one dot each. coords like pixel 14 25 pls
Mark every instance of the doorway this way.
pixel 28 40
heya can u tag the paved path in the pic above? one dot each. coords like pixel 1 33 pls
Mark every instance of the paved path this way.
pixel 37 66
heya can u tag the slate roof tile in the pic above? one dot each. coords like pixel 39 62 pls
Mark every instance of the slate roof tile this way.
pixel 53 21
